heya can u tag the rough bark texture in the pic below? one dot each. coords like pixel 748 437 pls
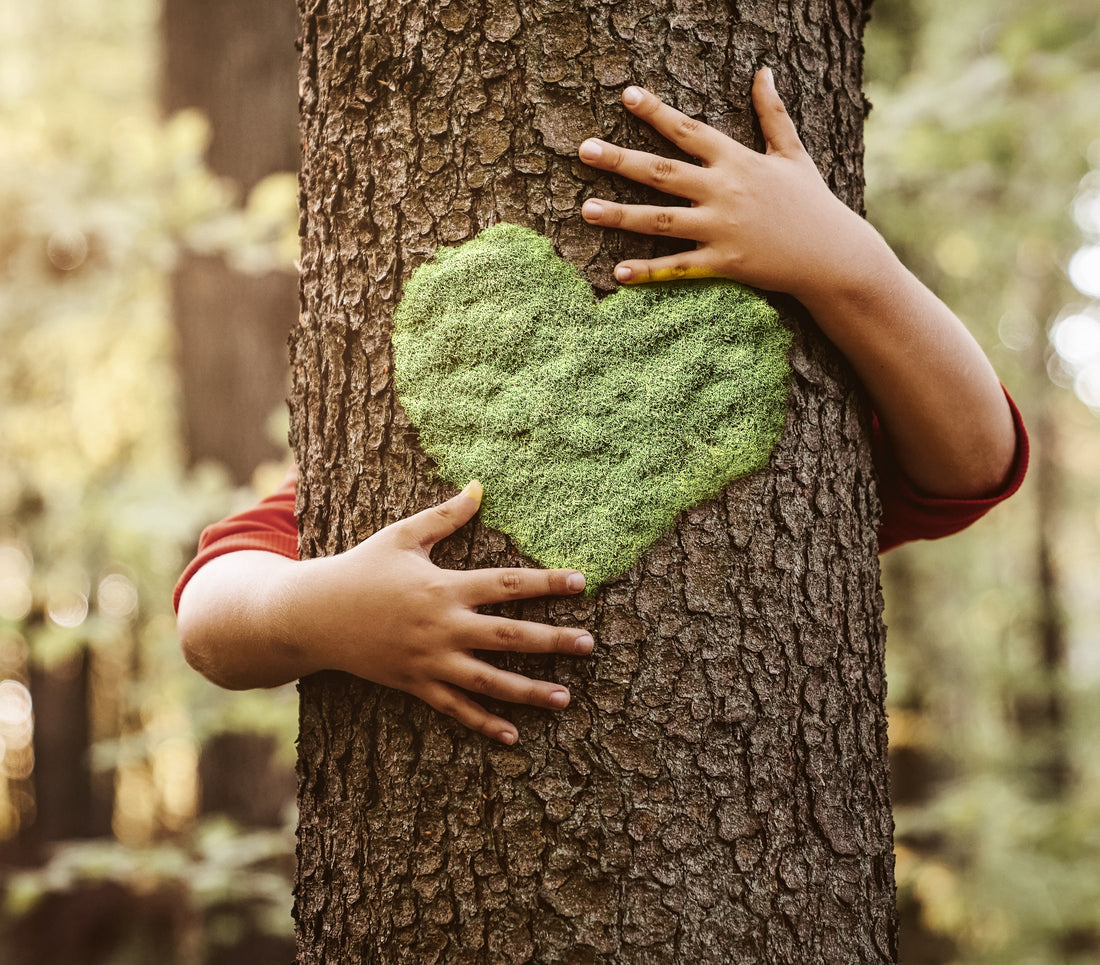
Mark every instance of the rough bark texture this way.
pixel 717 790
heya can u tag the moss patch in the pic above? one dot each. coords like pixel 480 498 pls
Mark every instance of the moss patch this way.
pixel 591 425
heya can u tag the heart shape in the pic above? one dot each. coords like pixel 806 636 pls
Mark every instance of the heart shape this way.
pixel 591 425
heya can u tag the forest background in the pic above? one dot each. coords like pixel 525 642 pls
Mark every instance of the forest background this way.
pixel 116 845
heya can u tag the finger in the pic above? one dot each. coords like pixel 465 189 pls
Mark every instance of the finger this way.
pixel 686 264
pixel 775 123
pixel 482 678
pixel 454 703
pixel 428 527
pixel 691 136
pixel 522 636
pixel 647 219
pixel 493 585
pixel 663 173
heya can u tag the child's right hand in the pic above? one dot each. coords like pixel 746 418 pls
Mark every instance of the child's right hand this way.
pixel 385 612
pixel 382 611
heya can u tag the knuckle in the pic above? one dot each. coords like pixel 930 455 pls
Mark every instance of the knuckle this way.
pixel 510 581
pixel 662 223
pixel 444 514
pixel 779 112
pixel 445 702
pixel 650 105
pixel 433 587
pixel 677 269
pixel 556 582
pixel 613 217
pixel 661 169
pixel 687 126
pixel 615 158
pixel 481 681
pixel 486 726
pixel 508 635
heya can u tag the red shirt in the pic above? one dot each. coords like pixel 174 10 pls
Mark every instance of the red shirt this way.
pixel 906 513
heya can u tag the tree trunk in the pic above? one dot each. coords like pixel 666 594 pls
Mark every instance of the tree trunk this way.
pixel 717 789
pixel 235 63
pixel 67 804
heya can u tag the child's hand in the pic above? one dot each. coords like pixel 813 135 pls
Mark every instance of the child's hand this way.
pixel 385 612
pixel 767 220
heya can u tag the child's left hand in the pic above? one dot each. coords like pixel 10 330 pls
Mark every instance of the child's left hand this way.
pixel 767 220
pixel 770 221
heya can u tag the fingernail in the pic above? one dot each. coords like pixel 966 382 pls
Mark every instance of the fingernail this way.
pixel 769 77
pixel 575 581
pixel 590 150
pixel 592 210
pixel 584 644
pixel 507 737
pixel 632 96
pixel 622 273
pixel 559 699
pixel 473 490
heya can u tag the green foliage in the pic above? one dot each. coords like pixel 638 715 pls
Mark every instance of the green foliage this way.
pixel 590 425
pixel 981 131
pixel 98 513
pixel 224 864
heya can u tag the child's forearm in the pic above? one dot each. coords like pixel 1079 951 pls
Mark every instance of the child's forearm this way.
pixel 233 623
pixel 937 397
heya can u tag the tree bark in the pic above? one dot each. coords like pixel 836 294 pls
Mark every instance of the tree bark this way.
pixel 717 789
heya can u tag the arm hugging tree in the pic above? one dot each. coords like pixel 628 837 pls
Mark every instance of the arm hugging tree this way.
pixel 717 789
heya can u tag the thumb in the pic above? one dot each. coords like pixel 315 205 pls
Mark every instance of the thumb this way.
pixel 775 123
pixel 431 525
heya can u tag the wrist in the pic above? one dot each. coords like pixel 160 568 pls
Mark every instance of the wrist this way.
pixel 288 624
pixel 861 276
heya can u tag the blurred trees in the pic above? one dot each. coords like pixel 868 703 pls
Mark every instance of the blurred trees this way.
pixel 985 118
pixel 236 63
pixel 100 721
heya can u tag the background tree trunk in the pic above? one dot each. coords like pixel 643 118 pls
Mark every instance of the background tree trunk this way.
pixel 235 63
pixel 717 790
pixel 69 800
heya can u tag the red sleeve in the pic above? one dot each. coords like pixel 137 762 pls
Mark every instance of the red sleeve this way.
pixel 270 525
pixel 908 514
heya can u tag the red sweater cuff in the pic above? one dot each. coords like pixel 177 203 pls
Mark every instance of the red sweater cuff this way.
pixel 270 526
pixel 908 514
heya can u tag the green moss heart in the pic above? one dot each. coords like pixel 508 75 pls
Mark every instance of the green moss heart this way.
pixel 591 425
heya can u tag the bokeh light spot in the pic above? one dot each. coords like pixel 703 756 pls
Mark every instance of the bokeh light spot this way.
pixel 67 249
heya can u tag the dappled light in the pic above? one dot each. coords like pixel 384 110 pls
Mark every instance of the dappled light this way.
pixel 1084 270
pixel 992 642
pixel 983 168
pixel 101 722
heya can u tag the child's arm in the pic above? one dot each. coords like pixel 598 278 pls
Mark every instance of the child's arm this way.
pixel 769 220
pixel 382 611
